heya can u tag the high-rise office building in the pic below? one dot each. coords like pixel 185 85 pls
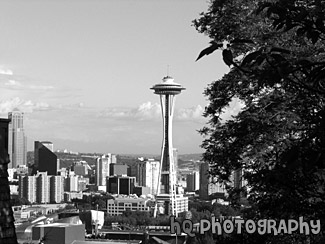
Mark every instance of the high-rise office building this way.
pixel 147 174
pixel 41 188
pixel 81 168
pixel 56 188
pixel 166 194
pixel 237 178
pixel 27 187
pixel 118 169
pixel 17 145
pixel 193 181
pixel 45 158
pixel 82 183
pixel 71 183
pixel 120 184
pixel 103 169
pixel 208 184
pixel 114 160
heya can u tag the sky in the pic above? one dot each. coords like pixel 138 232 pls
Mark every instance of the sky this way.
pixel 81 72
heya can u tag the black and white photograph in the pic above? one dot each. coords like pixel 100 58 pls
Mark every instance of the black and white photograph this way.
pixel 162 121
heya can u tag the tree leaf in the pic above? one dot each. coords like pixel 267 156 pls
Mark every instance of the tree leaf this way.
pixel 250 57
pixel 301 31
pixel 239 41
pixel 314 36
pixel 227 57
pixel 262 6
pixel 279 50
pixel 278 58
pixel 209 50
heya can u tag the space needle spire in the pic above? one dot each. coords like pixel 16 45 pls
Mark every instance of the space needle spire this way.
pixel 166 190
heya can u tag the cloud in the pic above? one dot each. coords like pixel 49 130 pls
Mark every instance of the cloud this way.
pixel 26 106
pixel 16 85
pixel 152 111
pixel 136 130
pixel 13 83
pixel 145 111
pixel 193 113
pixel 4 71
pixel 35 87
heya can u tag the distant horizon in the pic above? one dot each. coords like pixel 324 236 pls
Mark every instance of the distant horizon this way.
pixel 122 154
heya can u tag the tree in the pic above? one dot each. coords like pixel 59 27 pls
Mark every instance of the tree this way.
pixel 278 73
pixel 19 201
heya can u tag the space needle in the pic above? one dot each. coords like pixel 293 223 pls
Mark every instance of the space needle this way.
pixel 169 201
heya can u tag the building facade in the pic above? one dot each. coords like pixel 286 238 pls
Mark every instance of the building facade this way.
pixel 147 174
pixel 118 169
pixel 56 188
pixel 71 183
pixel 27 188
pixel 165 205
pixel 120 184
pixel 68 196
pixel 45 158
pixel 41 188
pixel 119 205
pixel 209 185
pixel 17 143
pixel 82 183
pixel 81 168
pixel 103 169
pixel 193 181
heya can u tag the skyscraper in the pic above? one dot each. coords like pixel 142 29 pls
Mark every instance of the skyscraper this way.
pixel 147 174
pixel 45 158
pixel 41 188
pixel 27 187
pixel 71 183
pixel 81 168
pixel 102 169
pixel 209 185
pixel 17 147
pixel 120 184
pixel 56 188
pixel 193 181
pixel 166 192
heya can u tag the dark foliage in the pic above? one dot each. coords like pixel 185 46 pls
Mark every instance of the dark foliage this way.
pixel 278 137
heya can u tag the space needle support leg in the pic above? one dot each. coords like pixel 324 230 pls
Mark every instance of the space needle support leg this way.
pixel 163 111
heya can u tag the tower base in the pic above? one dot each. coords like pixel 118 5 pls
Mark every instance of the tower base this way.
pixel 164 204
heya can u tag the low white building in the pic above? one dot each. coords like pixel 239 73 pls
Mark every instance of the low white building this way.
pixel 164 204
pixel 68 196
pixel 120 204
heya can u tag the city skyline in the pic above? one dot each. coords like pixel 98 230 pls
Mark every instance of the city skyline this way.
pixel 80 71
